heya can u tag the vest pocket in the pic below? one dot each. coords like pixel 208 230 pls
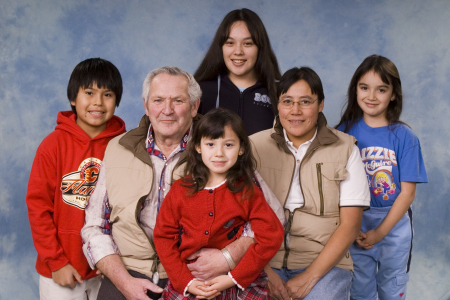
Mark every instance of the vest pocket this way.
pixel 329 177
pixel 335 172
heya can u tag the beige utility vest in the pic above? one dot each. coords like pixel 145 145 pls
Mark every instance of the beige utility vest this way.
pixel 322 169
pixel 129 179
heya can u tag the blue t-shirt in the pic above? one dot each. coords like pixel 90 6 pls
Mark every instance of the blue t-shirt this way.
pixel 390 154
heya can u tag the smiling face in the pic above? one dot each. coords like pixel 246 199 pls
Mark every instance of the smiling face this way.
pixel 240 54
pixel 169 108
pixel 299 123
pixel 219 155
pixel 95 107
pixel 374 96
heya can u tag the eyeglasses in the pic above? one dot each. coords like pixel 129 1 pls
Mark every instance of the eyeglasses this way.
pixel 305 103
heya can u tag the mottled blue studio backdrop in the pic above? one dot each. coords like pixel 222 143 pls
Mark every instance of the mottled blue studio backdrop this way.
pixel 42 41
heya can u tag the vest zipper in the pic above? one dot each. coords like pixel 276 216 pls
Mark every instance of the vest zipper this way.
pixel 319 181
pixel 288 224
pixel 286 232
pixel 291 214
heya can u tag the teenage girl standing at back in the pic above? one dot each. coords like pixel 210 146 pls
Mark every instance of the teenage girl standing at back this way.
pixel 393 161
pixel 239 71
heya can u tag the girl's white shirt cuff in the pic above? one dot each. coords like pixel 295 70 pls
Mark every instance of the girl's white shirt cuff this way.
pixel 185 292
pixel 235 282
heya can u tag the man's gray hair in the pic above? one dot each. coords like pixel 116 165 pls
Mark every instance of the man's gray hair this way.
pixel 194 89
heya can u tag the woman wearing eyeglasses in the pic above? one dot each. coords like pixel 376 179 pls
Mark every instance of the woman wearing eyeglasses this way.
pixel 318 176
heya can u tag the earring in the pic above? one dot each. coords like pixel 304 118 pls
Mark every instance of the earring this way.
pixel 199 151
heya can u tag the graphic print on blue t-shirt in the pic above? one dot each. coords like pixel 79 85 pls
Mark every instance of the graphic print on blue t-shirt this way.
pixel 390 154
pixel 379 163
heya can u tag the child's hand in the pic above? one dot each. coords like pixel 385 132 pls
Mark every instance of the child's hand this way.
pixel 360 238
pixel 369 238
pixel 199 289
pixel 67 276
pixel 219 283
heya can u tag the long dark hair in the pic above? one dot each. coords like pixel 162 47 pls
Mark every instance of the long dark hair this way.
pixel 266 66
pixel 388 73
pixel 212 125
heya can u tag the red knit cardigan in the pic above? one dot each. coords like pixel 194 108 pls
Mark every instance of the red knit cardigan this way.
pixel 213 219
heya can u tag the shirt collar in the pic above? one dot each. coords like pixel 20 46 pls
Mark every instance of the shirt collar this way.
pixel 291 145
pixel 152 148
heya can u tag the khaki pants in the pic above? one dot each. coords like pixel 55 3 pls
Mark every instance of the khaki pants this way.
pixel 49 290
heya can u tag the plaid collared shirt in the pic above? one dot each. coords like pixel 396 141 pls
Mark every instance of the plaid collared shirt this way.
pixel 154 151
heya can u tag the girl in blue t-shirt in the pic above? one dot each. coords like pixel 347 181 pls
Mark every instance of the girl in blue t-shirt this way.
pixel 393 162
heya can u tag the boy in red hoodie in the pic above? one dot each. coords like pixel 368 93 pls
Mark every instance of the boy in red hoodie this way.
pixel 63 176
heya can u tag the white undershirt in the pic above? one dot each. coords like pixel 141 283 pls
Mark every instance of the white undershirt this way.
pixel 354 190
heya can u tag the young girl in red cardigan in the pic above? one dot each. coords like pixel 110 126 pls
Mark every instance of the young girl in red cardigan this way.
pixel 208 208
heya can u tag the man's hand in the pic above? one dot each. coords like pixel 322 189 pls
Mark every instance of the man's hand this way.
pixel 136 288
pixel 132 288
pixel 209 264
pixel 67 276
pixel 301 284
pixel 277 287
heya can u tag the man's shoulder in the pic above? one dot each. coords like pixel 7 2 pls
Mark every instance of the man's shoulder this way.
pixel 115 140
pixel 114 145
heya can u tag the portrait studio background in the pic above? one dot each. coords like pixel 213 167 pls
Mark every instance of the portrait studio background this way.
pixel 42 41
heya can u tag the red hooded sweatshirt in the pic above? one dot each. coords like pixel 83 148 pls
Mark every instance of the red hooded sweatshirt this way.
pixel 63 176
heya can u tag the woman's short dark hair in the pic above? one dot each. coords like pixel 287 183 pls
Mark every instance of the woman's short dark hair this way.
pixel 212 125
pixel 94 70
pixel 266 66
pixel 296 74
pixel 389 74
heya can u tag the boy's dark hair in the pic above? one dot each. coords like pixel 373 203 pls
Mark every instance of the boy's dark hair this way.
pixel 212 125
pixel 296 74
pixel 266 66
pixel 389 74
pixel 97 70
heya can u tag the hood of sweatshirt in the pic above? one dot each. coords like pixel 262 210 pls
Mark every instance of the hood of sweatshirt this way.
pixel 66 121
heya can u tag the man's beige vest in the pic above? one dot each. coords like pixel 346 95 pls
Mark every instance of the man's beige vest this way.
pixel 129 180
pixel 321 171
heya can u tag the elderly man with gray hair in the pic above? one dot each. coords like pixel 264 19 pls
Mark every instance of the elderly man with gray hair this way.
pixel 136 174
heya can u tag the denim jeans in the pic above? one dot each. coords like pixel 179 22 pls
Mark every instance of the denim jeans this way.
pixel 334 285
